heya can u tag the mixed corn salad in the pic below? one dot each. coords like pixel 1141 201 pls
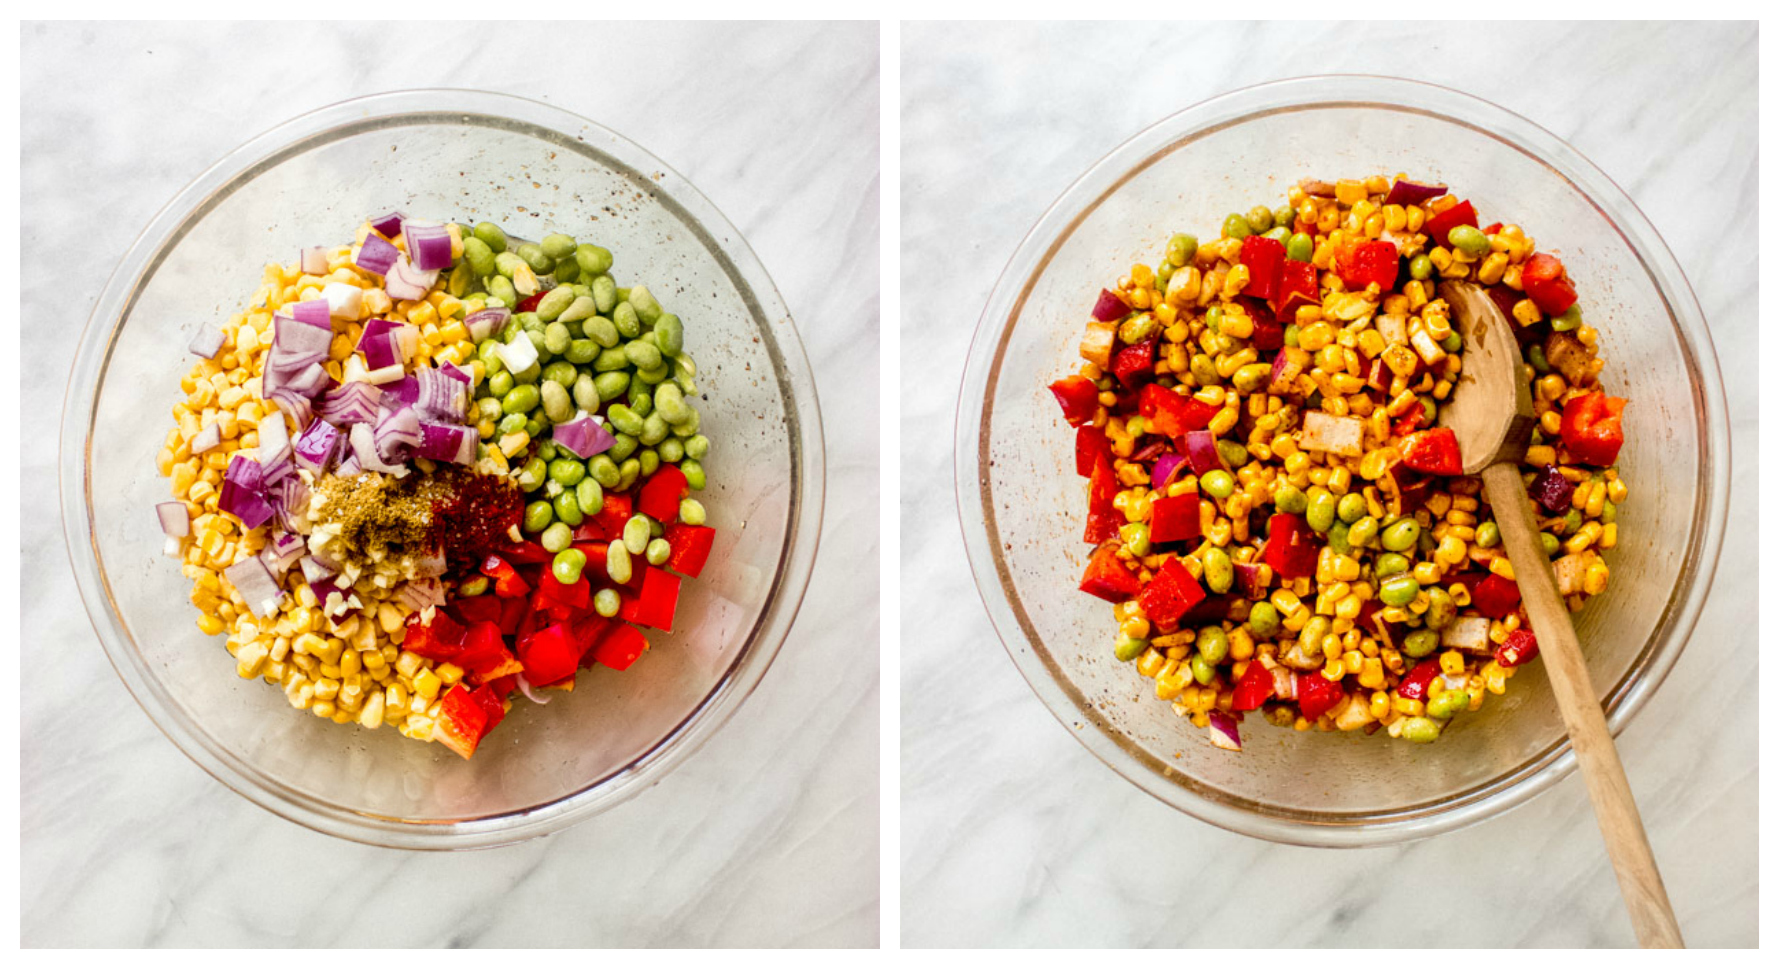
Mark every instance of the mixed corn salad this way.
pixel 421 474
pixel 1279 522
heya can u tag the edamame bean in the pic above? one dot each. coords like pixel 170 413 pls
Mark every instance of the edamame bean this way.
pixel 691 511
pixel 1399 590
pixel 1285 216
pixel 1421 642
pixel 534 428
pixel 553 303
pixel 594 260
pixel 492 236
pixel 658 551
pixel 566 271
pixel 1550 542
pixel 1217 483
pixel 1420 267
pixel 1441 610
pixel 611 360
pixel 1213 644
pixel 568 509
pixel 628 472
pixel 1285 497
pixel 488 408
pixel 1453 342
pixel 1252 377
pixel 617 562
pixel 478 256
pixel 1351 507
pixel 602 331
pixel 625 319
pixel 1263 620
pixel 1389 564
pixel 1567 320
pixel 475 585
pixel 1401 535
pixel 654 430
pixel 556 338
pixel 567 565
pixel 586 393
pixel 581 351
pixel 1362 532
pixel 1128 648
pixel 1468 239
pixel 605 294
pixel 1447 704
pixel 557 537
pixel 606 386
pixel 561 372
pixel 508 263
pixel 651 461
pixel 645 355
pixel 511 424
pixel 1278 232
pixel 685 372
pixel 670 334
pixel 640 398
pixel 557 406
pixel 1203 673
pixel 697 446
pixel 1181 248
pixel 1314 631
pixel 1300 247
pixel 1237 227
pixel 1291 331
pixel 1321 511
pixel 624 419
pixel 1214 319
pixel 604 470
pixel 623 445
pixel 1260 218
pixel 636 534
pixel 531 476
pixel 1337 537
pixel 587 493
pixel 1421 730
pixel 534 257
pixel 656 375
pixel 557 246
pixel 520 399
pixel 670 403
pixel 579 311
pixel 606 601
pixel 501 288
pixel 567 471
pixel 538 516
pixel 1219 572
pixel 501 384
pixel 648 309
pixel 694 473
pixel 1488 534
pixel 547 451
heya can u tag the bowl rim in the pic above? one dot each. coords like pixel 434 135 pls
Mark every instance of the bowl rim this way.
pixel 567 131
pixel 974 473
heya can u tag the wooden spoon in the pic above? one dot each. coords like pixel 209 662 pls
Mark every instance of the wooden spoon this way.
pixel 1491 413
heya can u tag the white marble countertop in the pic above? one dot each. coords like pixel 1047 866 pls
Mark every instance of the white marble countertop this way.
pixel 1011 833
pixel 126 843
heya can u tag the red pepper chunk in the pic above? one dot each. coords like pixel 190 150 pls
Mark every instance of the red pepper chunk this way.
pixel 527 553
pixel 1108 578
pixel 620 646
pixel 1414 685
pixel 611 518
pixel 484 655
pixel 1175 519
pixel 1265 260
pixel 549 655
pixel 1170 594
pixel 576 595
pixel 1290 546
pixel 1079 399
pixel 1317 694
pixel 1090 444
pixel 439 641
pixel 477 609
pixel 661 494
pixel 1254 688
pixel 1135 361
pixel 1547 283
pixel 1496 597
pixel 1368 263
pixel 1592 432
pixel 529 303
pixel 1172 415
pixel 1297 287
pixel 1441 225
pixel 1103 520
pixel 507 583
pixel 655 602
pixel 1433 451
pixel 690 546
pixel 466 716
pixel 1521 647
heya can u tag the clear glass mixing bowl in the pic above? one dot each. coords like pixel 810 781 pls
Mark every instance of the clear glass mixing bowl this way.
pixel 1022 505
pixel 466 156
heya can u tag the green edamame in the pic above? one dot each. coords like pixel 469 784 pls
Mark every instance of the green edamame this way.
pixel 531 476
pixel 636 534
pixel 697 446
pixel 617 562
pixel 1219 571
pixel 557 537
pixel 1321 511
pixel 691 511
pixel 1447 704
pixel 491 236
pixel 594 260
pixel 1350 508
pixel 1488 534
pixel 694 472
pixel 1263 620
pixel 1286 497
pixel 1441 610
pixel 567 565
pixel 1401 535
pixel 623 445
pixel 608 386
pixel 1213 643
pixel 605 293
pixel 557 406
pixel 1389 564
pixel 1237 227
pixel 1421 642
pixel 567 471
pixel 554 303
pixel 1217 483
pixel 658 551
pixel 624 419
pixel 520 399
pixel 625 319
pixel 1399 590
pixel 568 509
pixel 1421 730
pixel 587 493
pixel 1128 648
pixel 606 601
pixel 538 516
pixel 604 469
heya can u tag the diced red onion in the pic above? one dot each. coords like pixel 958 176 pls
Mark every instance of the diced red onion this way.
pixel 207 343
pixel 254 581
pixel 438 397
pixel 445 442
pixel 458 374
pixel 403 391
pixel 519 355
pixel 315 570
pixel 282 553
pixel 207 439
pixel 525 688
pixel 418 594
pixel 344 300
pixel 243 492
pixel 364 449
pixel 327 589
pixel 317 447
pixel 274 439
pixel 397 435
pixel 311 381
pixel 296 335
pixel 1201 452
pixel 583 437
pixel 1110 306
pixel 483 324
pixel 312 311
pixel 377 255
pixel 390 225
pixel 379 347
pixel 175 523
pixel 348 466
pixel 1225 732
pixel 385 375
pixel 290 501
pixel 1165 468
pixel 351 403
pixel 314 261
pixel 1405 192
pixel 407 336
pixel 406 282
pixel 1249 576
pixel 429 244
pixel 276 471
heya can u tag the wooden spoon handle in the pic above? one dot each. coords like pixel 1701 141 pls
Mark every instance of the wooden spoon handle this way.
pixel 1614 807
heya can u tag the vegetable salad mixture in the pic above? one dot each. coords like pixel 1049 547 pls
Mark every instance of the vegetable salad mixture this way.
pixel 1280 524
pixel 429 470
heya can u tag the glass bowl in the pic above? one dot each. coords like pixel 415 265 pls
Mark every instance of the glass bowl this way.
pixel 1022 506
pixel 467 156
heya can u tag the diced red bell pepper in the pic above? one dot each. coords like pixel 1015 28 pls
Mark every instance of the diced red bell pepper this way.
pixel 1268 335
pixel 1433 451
pixel 655 602
pixel 1441 225
pixel 1298 286
pixel 513 612
pixel 1079 398
pixel 549 655
pixel 1109 578
pixel 1414 685
pixel 1317 694
pixel 527 553
pixel 1547 283
pixel 1265 260
pixel 1135 361
pixel 1493 228
pixel 620 646
pixel 1172 415
pixel 1290 546
pixel 1175 519
pixel 504 686
pixel 507 583
pixel 1169 594
pixel 576 595
pixel 483 608
pixel 439 641
pixel 661 494
pixel 466 716
pixel 1110 306
pixel 609 522
pixel 1410 421
pixel 1103 520
pixel 1521 647
pixel 1368 263
pixel 1592 431
pixel 691 547
pixel 585 633
pixel 1254 688
pixel 1496 597
pixel 484 655
pixel 1090 445
pixel 529 303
